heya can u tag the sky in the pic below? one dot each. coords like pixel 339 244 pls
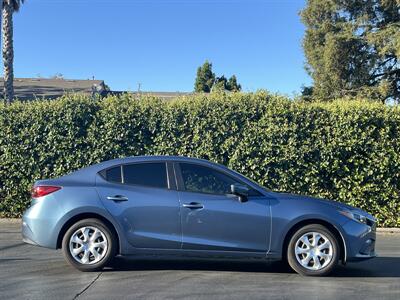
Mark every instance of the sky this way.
pixel 161 43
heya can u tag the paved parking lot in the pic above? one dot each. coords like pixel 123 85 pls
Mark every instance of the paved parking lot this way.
pixel 29 272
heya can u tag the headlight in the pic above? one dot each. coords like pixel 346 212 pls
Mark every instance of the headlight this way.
pixel 355 216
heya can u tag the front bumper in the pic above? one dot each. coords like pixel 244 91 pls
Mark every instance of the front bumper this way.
pixel 360 241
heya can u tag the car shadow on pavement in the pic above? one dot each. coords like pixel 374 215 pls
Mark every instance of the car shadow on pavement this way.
pixel 377 267
pixel 126 264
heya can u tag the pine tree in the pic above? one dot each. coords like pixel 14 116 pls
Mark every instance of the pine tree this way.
pixel 205 78
pixel 353 48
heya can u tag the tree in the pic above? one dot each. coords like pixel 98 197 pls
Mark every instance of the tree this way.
pixel 8 8
pixel 223 84
pixel 220 84
pixel 205 78
pixel 307 93
pixel 206 81
pixel 352 48
pixel 233 85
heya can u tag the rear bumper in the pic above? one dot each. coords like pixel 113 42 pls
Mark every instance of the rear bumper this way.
pixel 27 234
pixel 360 241
pixel 39 223
pixel 43 221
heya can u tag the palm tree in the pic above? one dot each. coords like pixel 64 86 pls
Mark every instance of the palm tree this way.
pixel 9 7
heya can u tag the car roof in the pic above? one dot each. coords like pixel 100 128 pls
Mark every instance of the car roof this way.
pixel 144 158
pixel 148 158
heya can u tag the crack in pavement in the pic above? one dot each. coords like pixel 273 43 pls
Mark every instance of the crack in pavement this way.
pixel 86 288
pixel 12 246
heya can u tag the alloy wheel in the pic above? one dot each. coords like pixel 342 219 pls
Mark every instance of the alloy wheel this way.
pixel 314 251
pixel 88 245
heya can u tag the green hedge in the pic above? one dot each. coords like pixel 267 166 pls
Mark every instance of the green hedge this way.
pixel 347 151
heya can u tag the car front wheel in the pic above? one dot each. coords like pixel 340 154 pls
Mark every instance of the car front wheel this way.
pixel 313 251
pixel 89 245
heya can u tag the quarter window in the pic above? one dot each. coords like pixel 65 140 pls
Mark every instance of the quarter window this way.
pixel 112 174
pixel 146 174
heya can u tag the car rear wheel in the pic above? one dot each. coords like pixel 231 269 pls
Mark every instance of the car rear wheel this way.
pixel 313 251
pixel 89 245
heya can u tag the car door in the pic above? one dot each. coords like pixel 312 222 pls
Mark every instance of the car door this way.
pixel 214 219
pixel 143 200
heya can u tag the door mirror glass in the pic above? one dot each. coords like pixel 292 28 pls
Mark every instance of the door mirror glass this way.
pixel 241 191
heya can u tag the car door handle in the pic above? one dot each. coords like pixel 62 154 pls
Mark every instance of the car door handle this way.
pixel 117 198
pixel 193 205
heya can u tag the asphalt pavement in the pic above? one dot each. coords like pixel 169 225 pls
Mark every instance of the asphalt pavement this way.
pixel 29 272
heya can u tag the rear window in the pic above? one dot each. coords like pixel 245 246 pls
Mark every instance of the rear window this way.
pixel 112 174
pixel 146 174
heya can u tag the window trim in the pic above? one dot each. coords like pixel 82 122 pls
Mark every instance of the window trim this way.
pixel 171 174
pixel 122 174
pixel 181 184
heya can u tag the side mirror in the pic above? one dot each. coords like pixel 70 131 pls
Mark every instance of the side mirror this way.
pixel 241 191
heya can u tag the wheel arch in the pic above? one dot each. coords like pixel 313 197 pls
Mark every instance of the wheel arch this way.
pixel 82 216
pixel 330 226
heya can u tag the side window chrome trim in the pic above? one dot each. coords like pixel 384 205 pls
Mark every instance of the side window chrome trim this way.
pixel 122 174
pixel 172 183
pixel 168 176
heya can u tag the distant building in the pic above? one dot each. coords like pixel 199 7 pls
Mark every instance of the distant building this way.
pixel 38 88
pixel 33 88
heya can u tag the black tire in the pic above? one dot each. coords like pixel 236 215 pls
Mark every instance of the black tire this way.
pixel 110 251
pixel 299 268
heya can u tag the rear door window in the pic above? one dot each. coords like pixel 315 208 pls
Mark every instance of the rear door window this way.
pixel 146 174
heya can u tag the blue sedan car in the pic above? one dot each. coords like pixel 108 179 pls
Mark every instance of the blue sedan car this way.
pixel 166 205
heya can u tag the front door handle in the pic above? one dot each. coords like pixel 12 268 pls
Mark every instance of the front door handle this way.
pixel 117 198
pixel 193 205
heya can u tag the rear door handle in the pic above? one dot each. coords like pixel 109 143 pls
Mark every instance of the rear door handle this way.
pixel 117 198
pixel 193 205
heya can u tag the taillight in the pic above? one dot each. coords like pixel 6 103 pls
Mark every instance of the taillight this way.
pixel 43 190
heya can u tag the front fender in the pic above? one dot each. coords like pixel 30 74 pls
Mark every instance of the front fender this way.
pixel 310 219
pixel 286 214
